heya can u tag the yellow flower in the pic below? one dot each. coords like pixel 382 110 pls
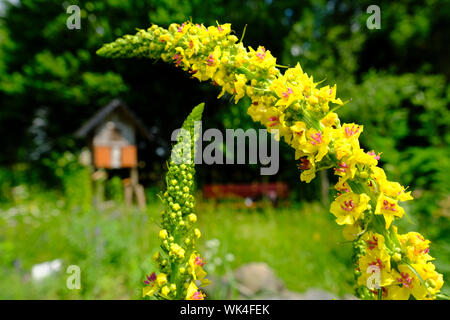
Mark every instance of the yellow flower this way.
pixel 433 280
pixel 275 121
pixel 361 157
pixel 395 190
pixel 177 250
pixel 318 143
pixel 165 291
pixel 351 231
pixel 391 189
pixel 239 87
pixel 192 217
pixel 379 259
pixel 346 168
pixel 330 119
pixel 194 45
pixel 166 38
pixel 373 240
pixel 220 31
pixel 257 111
pixel 309 169
pixel 378 175
pixel 342 186
pixel 352 131
pixel 262 58
pixel 298 141
pixel 416 247
pixel 242 56
pixel 196 264
pixel 287 93
pixel 213 59
pixel 389 208
pixel 407 283
pixel 151 287
pixel 163 234
pixel 161 279
pixel 296 74
pixel 149 291
pixel 193 293
pixel 326 94
pixel 348 207
pixel 342 147
pixel 313 100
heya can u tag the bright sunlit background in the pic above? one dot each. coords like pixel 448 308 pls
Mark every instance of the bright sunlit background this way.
pixel 52 83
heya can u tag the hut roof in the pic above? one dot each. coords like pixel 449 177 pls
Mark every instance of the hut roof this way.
pixel 101 115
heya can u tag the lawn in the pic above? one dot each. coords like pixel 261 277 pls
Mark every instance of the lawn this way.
pixel 113 247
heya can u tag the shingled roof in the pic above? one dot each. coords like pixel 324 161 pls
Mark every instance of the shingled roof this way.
pixel 101 115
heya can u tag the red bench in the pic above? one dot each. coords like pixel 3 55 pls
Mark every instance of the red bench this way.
pixel 254 191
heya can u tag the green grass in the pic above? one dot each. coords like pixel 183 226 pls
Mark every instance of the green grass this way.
pixel 113 247
pixel 302 245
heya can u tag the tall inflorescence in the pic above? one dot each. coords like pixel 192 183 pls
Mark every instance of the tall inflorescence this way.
pixel 388 265
pixel 180 265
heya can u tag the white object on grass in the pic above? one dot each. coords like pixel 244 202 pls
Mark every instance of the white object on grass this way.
pixel 45 269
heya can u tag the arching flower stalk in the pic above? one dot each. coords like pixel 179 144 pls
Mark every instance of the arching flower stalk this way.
pixel 179 263
pixel 367 203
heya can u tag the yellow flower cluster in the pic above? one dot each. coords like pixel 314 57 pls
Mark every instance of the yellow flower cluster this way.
pixel 180 264
pixel 405 271
pixel 294 107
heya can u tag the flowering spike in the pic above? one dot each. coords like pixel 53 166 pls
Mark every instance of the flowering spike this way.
pixel 367 203
pixel 178 235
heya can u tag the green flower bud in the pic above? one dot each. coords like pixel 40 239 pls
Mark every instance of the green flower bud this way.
pixel 156 256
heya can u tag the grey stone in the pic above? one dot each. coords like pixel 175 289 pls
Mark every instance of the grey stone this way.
pixel 256 277
pixel 257 281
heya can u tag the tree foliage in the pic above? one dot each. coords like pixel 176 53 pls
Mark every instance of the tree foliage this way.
pixel 51 81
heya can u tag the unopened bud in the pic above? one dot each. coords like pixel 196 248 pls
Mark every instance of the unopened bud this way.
pixel 156 256
pixel 364 175
pixel 165 291
pixel 397 257
pixel 192 218
pixel 161 279
pixel 163 234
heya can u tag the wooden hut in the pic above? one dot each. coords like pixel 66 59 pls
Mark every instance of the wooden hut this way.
pixel 112 135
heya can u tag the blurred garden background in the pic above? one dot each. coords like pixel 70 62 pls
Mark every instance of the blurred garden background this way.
pixel 52 83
